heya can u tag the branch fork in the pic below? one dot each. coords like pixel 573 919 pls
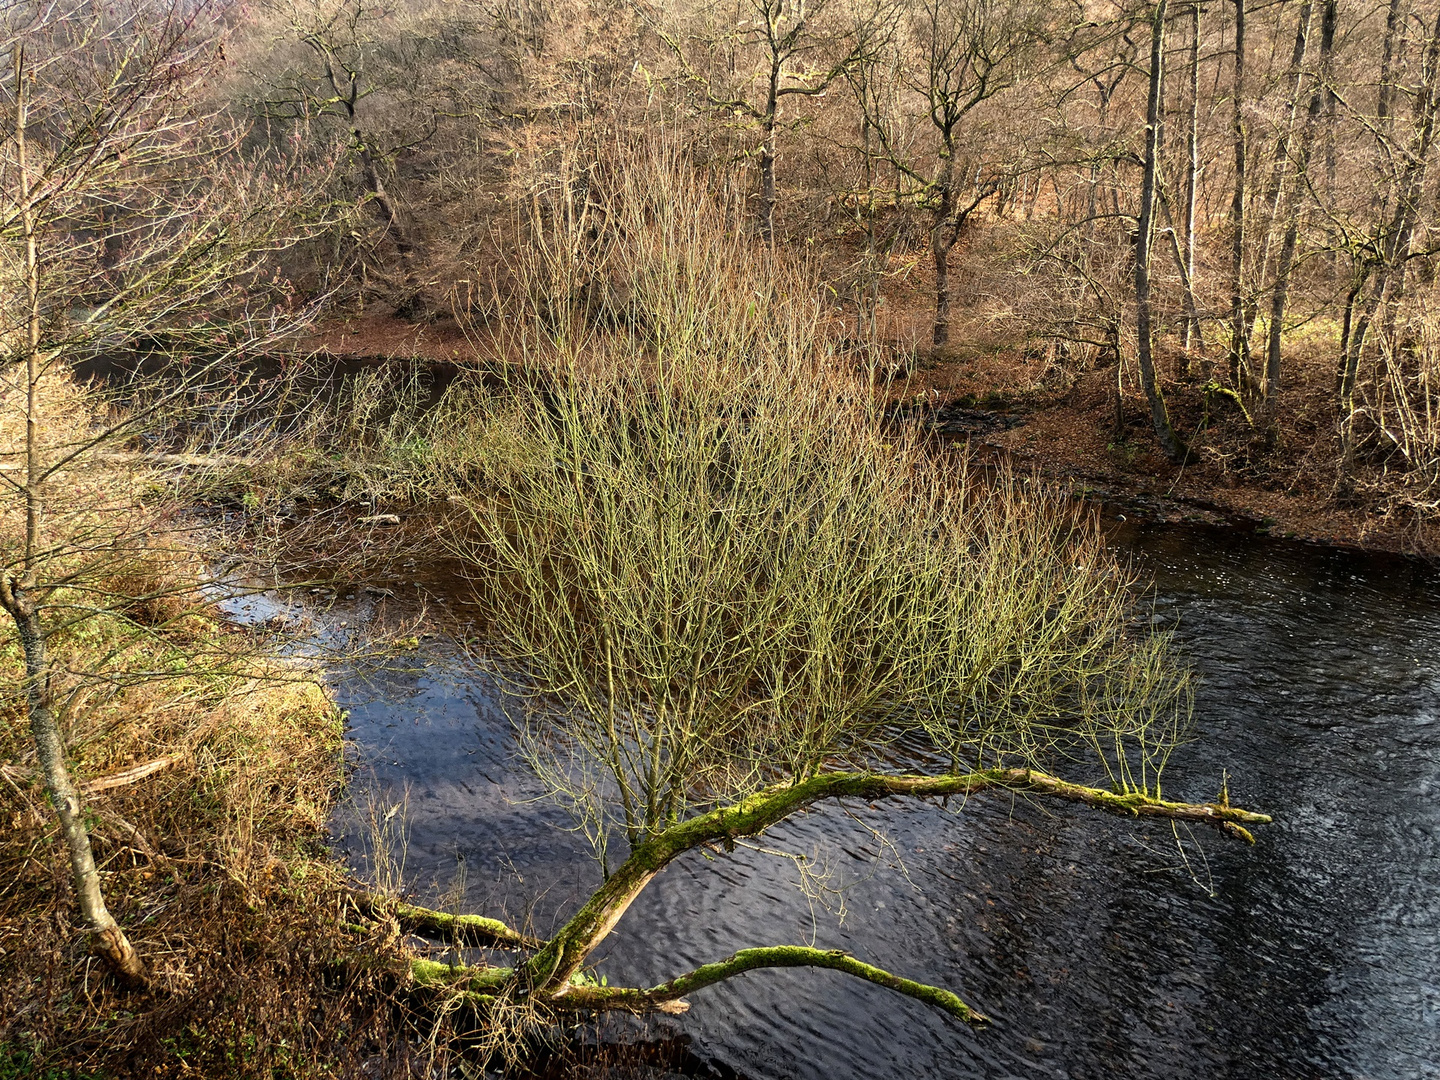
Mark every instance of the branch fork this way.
pixel 553 975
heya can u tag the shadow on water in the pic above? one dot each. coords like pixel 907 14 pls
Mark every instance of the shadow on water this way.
pixel 1099 947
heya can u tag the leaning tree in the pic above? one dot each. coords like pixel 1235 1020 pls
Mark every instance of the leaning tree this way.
pixel 724 586
pixel 130 224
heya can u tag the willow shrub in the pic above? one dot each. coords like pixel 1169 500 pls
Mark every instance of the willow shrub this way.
pixel 711 564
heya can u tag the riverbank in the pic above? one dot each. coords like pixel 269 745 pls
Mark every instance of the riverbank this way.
pixel 207 773
pixel 207 766
pixel 1063 425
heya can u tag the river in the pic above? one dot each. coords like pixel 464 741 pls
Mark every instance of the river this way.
pixel 1100 947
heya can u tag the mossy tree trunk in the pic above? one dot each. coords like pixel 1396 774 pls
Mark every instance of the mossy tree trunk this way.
pixel 107 939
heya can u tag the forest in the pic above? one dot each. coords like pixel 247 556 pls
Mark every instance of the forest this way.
pixel 495 493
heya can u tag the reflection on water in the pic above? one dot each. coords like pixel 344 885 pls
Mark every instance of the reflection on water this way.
pixel 1099 947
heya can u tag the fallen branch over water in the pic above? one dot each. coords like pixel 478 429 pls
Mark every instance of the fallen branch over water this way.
pixel 553 976
pixel 666 997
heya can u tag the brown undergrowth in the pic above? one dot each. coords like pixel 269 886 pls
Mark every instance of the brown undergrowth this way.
pixel 1064 423
pixel 207 766
pixel 213 863
pixel 1059 416
pixel 1053 410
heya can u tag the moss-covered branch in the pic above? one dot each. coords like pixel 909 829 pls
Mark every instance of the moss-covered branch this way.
pixel 484 982
pixel 474 930
pixel 553 968
pixel 585 996
pixel 552 976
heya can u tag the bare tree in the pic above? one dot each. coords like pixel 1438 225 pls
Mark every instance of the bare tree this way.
pixel 341 38
pixel 796 58
pixel 125 215
pixel 958 55
pixel 702 659
pixel 1379 275
pixel 1191 335
pixel 1144 238
pixel 1239 134
pixel 971 50
pixel 1287 210
pixel 873 80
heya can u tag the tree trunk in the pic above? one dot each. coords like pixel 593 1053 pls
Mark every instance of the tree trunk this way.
pixel 940 332
pixel 1191 314
pixel 1393 21
pixel 867 321
pixel 1395 250
pixel 1291 208
pixel 940 245
pixel 1277 195
pixel 767 157
pixel 1192 338
pixel 1239 343
pixel 1159 416
pixel 107 937
pixel 394 224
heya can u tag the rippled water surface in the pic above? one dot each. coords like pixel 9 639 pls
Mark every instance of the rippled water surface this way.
pixel 1101 948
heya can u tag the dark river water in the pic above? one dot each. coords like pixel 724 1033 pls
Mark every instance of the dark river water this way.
pixel 1100 947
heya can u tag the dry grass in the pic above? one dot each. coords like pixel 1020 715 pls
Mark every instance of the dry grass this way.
pixel 208 769
pixel 215 865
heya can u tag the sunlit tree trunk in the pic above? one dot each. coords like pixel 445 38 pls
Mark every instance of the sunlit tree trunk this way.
pixel 1283 175
pixel 106 936
pixel 1290 210
pixel 940 244
pixel 1192 338
pixel 1394 19
pixel 1397 239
